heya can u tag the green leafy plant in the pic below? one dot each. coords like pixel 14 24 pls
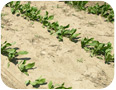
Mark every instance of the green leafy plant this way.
pixel 51 86
pixel 45 19
pixel 108 56
pixel 73 35
pixel 77 4
pixel 10 4
pixel 15 7
pixel 85 41
pixel 95 9
pixel 24 68
pixel 110 17
pixel 37 82
pixel 11 53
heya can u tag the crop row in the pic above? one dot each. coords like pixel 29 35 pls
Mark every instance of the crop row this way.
pixel 32 13
pixel 98 49
pixel 104 10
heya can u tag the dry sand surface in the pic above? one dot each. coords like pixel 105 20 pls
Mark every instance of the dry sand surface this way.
pixel 57 61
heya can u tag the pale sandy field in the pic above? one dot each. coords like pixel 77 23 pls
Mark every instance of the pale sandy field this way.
pixel 57 61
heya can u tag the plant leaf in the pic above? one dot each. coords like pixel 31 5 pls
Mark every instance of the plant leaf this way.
pixel 67 26
pixel 12 50
pixel 8 65
pixel 22 52
pixel 99 57
pixel 22 67
pixel 30 65
pixel 41 81
pixel 51 17
pixel 34 83
pixel 26 73
pixel 50 86
pixel 27 82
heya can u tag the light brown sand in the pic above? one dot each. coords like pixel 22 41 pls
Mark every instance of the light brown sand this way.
pixel 59 61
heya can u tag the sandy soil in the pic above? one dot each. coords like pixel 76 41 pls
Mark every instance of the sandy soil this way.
pixel 92 3
pixel 58 61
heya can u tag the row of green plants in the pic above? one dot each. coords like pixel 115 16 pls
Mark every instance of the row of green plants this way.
pixel 42 81
pixel 12 53
pixel 32 13
pixel 101 50
pixel 104 10
pixel 80 5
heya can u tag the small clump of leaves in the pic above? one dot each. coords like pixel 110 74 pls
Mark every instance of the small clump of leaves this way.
pixel 24 68
pixel 11 53
pixel 37 82
pixel 77 4
pixel 51 86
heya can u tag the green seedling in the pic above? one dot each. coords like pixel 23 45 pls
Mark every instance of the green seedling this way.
pixel 109 57
pixel 80 5
pixel 60 32
pixel 30 12
pixel 104 11
pixel 15 7
pixel 73 35
pixel 46 17
pixel 24 68
pixel 110 17
pixel 44 20
pixel 85 41
pixel 95 9
pixel 37 82
pixel 11 53
pixel 51 86
pixel 10 4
